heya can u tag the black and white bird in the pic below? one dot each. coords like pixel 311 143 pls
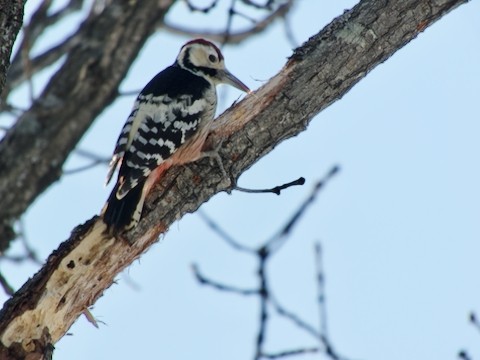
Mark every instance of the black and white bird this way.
pixel 168 125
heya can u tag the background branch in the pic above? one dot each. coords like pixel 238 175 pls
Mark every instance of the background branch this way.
pixel 227 36
pixel 263 255
pixel 23 67
pixel 59 117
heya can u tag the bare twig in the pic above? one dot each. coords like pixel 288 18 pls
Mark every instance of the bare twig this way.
pixel 82 168
pixel 95 161
pixel 227 36
pixel 245 16
pixel 6 286
pixel 91 155
pixel 228 26
pixel 21 71
pixel 223 234
pixel 322 304
pixel 474 321
pixel 129 93
pixel 275 190
pixel 204 9
pixel 278 240
pixel 287 27
pixel 264 295
pixel 222 287
pixel 31 254
pixel 23 67
pixel 287 353
pixel 267 6
pixel 294 318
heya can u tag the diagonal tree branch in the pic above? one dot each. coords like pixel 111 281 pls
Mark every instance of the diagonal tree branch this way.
pixel 318 73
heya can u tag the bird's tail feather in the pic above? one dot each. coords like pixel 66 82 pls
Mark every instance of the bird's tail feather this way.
pixel 123 214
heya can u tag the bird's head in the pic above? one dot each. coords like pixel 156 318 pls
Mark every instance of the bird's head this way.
pixel 204 59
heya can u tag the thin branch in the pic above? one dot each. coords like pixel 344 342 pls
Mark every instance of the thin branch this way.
pixel 9 290
pixel 264 296
pixel 83 168
pixel 278 240
pixel 95 161
pixel 227 36
pixel 275 190
pixel 129 93
pixel 216 228
pixel 31 254
pixel 318 186
pixel 321 298
pixel 474 321
pixel 287 27
pixel 222 287
pixel 41 20
pixel 294 318
pixel 245 16
pixel 287 353
pixel 205 9
pixel 21 71
pixel 228 26
pixel 267 6
pixel 91 155
pixel 22 67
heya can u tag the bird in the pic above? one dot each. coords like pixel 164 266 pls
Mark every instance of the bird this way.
pixel 167 126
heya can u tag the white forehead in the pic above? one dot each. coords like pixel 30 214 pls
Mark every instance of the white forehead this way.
pixel 199 54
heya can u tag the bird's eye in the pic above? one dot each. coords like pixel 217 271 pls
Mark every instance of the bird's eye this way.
pixel 212 58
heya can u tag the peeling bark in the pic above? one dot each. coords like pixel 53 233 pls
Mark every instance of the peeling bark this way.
pixel 319 72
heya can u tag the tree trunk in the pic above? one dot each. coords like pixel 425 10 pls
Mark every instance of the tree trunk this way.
pixel 11 19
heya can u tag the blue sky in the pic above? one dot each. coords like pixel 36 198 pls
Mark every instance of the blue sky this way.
pixel 399 225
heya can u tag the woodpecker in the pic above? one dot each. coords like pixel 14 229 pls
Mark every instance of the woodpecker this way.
pixel 168 125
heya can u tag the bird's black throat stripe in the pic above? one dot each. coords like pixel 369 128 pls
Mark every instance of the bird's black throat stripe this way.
pixel 197 69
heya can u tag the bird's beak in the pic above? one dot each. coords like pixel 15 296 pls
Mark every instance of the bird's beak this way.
pixel 228 78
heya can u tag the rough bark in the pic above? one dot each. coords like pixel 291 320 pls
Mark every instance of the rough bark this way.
pixel 44 136
pixel 318 73
pixel 11 19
